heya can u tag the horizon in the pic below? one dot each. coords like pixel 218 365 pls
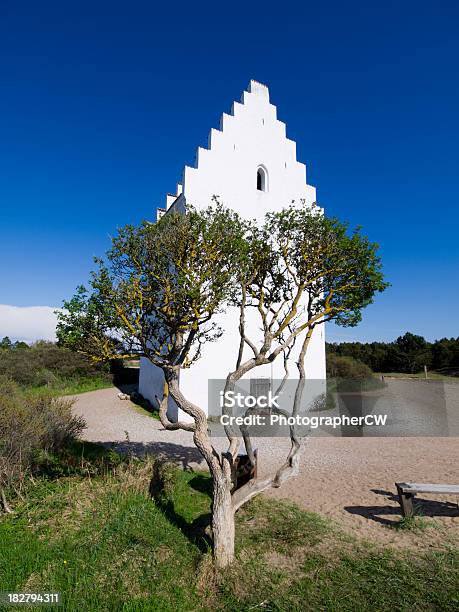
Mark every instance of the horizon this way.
pixel 103 112
pixel 49 336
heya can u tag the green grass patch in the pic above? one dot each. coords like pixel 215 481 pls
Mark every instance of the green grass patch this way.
pixel 101 542
pixel 413 523
pixel 91 530
pixel 420 376
pixel 60 387
pixel 269 525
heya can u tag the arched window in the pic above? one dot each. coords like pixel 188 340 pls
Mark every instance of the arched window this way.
pixel 262 179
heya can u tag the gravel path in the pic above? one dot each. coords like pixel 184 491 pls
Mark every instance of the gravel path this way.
pixel 111 420
pixel 350 480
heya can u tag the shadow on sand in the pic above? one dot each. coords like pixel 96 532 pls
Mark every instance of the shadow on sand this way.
pixel 182 456
pixel 380 514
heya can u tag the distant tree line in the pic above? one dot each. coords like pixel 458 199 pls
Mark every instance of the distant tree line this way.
pixel 7 344
pixel 409 354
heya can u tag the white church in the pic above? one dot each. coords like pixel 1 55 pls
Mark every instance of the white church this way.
pixel 251 166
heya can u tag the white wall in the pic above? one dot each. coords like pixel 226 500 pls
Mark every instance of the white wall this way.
pixel 249 137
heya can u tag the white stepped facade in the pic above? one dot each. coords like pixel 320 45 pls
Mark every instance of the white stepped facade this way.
pixel 251 166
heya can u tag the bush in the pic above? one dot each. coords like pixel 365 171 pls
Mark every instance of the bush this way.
pixel 347 367
pixel 348 374
pixel 30 426
pixel 47 364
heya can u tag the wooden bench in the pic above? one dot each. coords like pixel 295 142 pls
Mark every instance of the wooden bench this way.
pixel 408 490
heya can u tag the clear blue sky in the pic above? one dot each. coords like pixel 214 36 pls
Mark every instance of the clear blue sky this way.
pixel 102 103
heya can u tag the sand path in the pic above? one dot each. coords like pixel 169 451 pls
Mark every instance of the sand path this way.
pixel 350 480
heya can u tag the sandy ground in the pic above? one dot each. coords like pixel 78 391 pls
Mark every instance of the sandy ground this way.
pixel 350 480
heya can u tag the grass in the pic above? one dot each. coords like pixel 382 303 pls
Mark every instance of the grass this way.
pixel 69 386
pixel 413 523
pixel 145 407
pixel 92 532
pixel 419 375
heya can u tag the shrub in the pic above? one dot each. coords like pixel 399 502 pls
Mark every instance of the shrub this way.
pixel 348 374
pixel 46 364
pixel 30 426
pixel 347 367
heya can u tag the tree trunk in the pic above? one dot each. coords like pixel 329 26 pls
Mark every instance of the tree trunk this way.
pixel 222 505
pixel 223 523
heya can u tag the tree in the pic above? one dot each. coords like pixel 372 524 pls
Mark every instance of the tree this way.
pixel 21 345
pixel 415 352
pixel 158 290
pixel 445 353
pixel 6 343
